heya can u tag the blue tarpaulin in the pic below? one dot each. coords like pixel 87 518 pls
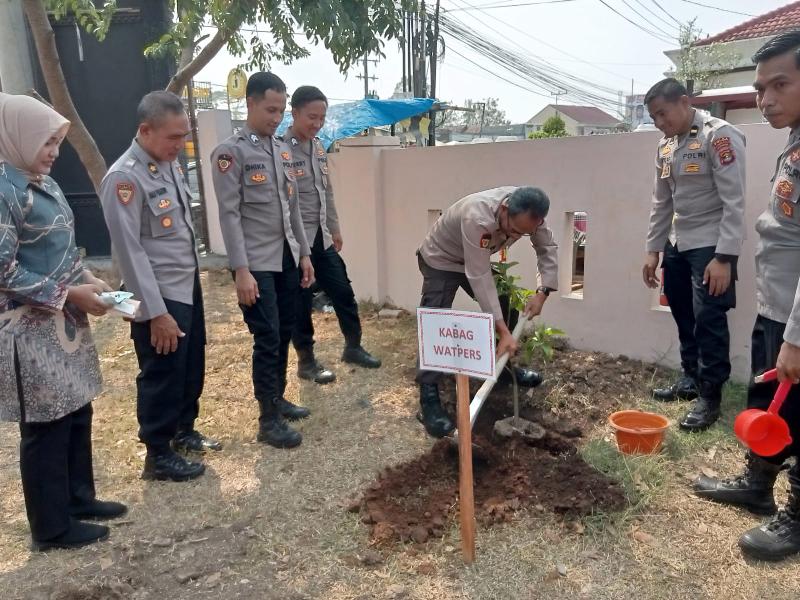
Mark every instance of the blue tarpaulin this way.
pixel 350 118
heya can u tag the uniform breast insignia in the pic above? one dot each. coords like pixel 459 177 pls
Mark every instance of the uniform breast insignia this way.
pixel 299 173
pixel 324 169
pixel 320 151
pixel 696 145
pixel 164 203
pixel 787 208
pixel 125 192
pixel 784 189
pixel 294 141
pixel 255 139
pixel 166 222
pixel 691 168
pixel 724 151
pixel 180 170
pixel 794 156
pixel 694 131
pixel 290 189
pixel 152 168
pixel 224 162
pixel 486 240
pixel 258 178
pixel 286 156
pixel 666 150
pixel 666 170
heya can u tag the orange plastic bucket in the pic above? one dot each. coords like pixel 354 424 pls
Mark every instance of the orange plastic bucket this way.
pixel 638 432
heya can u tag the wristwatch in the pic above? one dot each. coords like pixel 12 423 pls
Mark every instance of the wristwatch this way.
pixel 543 289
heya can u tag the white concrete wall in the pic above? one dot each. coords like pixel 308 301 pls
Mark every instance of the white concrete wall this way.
pixel 386 200
pixel 213 126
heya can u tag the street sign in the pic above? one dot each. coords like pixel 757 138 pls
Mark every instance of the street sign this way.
pixel 458 342
pixel 237 84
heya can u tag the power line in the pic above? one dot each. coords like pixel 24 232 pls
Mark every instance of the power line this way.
pixel 669 14
pixel 491 6
pixel 659 18
pixel 733 12
pixel 535 39
pixel 648 21
pixel 634 23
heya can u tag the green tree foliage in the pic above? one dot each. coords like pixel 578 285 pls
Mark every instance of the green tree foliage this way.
pixel 701 64
pixel 553 127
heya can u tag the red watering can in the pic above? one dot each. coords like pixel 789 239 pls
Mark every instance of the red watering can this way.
pixel 765 432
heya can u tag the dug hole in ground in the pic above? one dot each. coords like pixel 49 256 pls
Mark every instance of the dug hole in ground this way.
pixel 367 507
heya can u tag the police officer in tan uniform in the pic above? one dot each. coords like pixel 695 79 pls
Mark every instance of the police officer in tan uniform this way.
pixel 697 221
pixel 310 166
pixel 266 243
pixel 775 340
pixel 147 209
pixel 457 253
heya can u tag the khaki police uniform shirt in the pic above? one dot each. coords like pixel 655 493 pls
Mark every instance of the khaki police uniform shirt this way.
pixel 466 235
pixel 147 208
pixel 257 196
pixel 310 166
pixel 698 197
pixel 778 249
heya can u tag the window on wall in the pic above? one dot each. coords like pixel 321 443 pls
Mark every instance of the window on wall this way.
pixel 579 232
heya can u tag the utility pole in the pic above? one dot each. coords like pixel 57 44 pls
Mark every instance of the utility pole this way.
pixel 557 93
pixel 366 76
pixel 434 61
pixel 196 146
pixel 16 67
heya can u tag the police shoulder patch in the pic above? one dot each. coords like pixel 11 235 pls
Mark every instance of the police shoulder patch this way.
pixel 125 192
pixel 224 162
pixel 724 150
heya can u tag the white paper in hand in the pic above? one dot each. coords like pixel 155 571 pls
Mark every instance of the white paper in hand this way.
pixel 121 303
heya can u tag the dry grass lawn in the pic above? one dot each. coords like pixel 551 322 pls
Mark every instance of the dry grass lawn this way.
pixel 271 524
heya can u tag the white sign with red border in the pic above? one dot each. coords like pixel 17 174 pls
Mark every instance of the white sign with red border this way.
pixel 454 341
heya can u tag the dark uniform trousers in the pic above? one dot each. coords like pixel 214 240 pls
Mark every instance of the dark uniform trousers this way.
pixel 438 291
pixel 55 460
pixel 331 275
pixel 271 320
pixel 169 385
pixel 701 318
pixel 765 345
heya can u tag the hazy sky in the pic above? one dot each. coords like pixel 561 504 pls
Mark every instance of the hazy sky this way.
pixel 582 37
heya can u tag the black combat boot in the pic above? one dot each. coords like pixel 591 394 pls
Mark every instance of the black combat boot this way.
pixel 308 368
pixel 780 537
pixel 292 411
pixel 431 414
pixel 163 463
pixel 705 410
pixel 751 490
pixel 356 355
pixel 525 377
pixel 194 441
pixel 273 428
pixel 683 389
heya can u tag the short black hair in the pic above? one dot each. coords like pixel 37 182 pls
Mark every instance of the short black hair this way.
pixel 784 42
pixel 155 106
pixel 306 94
pixel 670 89
pixel 260 82
pixel 528 199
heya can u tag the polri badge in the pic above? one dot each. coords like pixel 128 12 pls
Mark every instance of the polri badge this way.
pixel 152 168
pixel 224 162
pixel 166 222
pixel 125 192
pixel 165 203
pixel 258 178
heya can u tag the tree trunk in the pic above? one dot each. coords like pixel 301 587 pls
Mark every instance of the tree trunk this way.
pixel 185 73
pixel 78 135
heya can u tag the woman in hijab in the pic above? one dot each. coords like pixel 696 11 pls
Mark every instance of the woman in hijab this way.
pixel 49 370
